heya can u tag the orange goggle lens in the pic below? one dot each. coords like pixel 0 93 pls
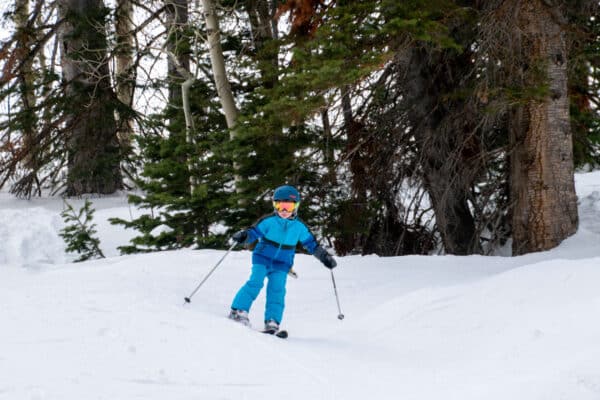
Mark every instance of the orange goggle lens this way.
pixel 288 206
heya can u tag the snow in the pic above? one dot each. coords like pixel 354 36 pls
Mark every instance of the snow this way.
pixel 415 327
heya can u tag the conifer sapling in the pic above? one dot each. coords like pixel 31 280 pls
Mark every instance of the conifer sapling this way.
pixel 79 232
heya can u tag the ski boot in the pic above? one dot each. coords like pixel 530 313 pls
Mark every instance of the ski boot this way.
pixel 240 316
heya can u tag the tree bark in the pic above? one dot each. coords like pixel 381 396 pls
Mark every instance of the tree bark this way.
pixel 218 66
pixel 125 74
pixel 217 61
pixel 544 209
pixel 92 144
pixel 26 39
pixel 180 78
pixel 178 61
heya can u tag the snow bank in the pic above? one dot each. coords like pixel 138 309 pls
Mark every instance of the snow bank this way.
pixel 426 328
pixel 29 237
pixel 29 229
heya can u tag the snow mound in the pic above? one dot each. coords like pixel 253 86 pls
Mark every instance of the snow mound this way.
pixel 29 237
pixel 416 327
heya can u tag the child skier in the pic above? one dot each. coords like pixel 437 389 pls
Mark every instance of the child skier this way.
pixel 277 235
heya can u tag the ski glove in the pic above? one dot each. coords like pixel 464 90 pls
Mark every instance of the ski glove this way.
pixel 326 258
pixel 240 237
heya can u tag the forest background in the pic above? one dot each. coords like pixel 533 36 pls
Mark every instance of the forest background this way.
pixel 409 127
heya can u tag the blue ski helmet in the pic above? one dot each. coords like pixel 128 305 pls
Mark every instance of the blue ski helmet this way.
pixel 286 193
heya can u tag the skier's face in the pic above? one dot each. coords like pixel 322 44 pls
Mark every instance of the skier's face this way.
pixel 285 209
pixel 284 214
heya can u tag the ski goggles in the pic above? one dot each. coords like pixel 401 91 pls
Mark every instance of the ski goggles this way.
pixel 288 206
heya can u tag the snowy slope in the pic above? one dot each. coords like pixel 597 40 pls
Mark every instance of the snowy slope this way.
pixel 439 327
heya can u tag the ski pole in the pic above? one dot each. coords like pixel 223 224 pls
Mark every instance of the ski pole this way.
pixel 189 298
pixel 337 299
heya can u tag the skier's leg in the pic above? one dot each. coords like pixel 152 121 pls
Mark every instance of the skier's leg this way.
pixel 247 294
pixel 275 295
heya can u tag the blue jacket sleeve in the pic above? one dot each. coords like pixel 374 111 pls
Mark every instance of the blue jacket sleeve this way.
pixel 256 231
pixel 308 241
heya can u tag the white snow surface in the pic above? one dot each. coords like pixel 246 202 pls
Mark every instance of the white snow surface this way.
pixel 415 327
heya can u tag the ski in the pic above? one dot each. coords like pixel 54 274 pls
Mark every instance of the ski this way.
pixel 282 334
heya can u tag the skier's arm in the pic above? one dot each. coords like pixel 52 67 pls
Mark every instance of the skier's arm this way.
pixel 250 235
pixel 308 241
pixel 254 233
pixel 310 244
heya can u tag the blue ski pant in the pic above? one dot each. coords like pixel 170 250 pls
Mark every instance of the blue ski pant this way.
pixel 275 291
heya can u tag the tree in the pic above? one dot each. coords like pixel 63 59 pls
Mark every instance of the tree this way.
pixel 408 68
pixel 444 125
pixel 125 70
pixel 60 101
pixel 542 181
pixel 26 38
pixel 185 173
pixel 79 232
pixel 218 65
pixel 459 87
pixel 530 46
pixel 583 69
pixel 406 125
pixel 219 73
pixel 93 148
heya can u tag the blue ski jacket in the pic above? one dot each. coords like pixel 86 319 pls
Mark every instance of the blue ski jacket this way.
pixel 277 239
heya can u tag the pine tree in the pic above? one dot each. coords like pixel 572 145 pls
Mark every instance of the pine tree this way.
pixel 174 216
pixel 79 232
pixel 337 51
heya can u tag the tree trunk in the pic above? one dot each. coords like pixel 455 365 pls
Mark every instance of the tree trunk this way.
pixel 26 39
pixel 259 14
pixel 328 153
pixel 92 144
pixel 217 61
pixel 180 78
pixel 178 60
pixel 218 66
pixel 442 127
pixel 542 179
pixel 453 217
pixel 260 17
pixel 125 74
